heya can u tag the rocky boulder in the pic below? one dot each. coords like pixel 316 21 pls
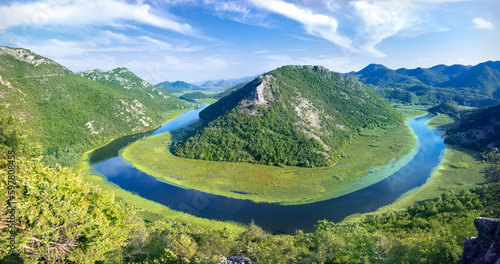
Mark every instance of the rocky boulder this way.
pixel 485 248
pixel 234 260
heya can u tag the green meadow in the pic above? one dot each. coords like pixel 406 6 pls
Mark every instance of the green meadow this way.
pixel 376 150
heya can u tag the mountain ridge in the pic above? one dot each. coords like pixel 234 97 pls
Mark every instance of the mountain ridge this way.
pixel 477 85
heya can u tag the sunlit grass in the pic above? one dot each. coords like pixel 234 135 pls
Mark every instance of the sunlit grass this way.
pixel 207 100
pixel 411 111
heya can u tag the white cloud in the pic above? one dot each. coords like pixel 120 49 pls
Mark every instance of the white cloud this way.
pixel 314 23
pixel 382 19
pixel 86 13
pixel 358 25
pixel 481 23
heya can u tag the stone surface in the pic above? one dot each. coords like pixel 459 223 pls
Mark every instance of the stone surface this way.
pixel 234 260
pixel 485 248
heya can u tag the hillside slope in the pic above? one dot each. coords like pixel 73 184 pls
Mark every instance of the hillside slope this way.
pixel 475 86
pixel 478 129
pixel 294 115
pixel 61 109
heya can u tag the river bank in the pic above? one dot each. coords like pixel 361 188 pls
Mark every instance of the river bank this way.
pixel 461 169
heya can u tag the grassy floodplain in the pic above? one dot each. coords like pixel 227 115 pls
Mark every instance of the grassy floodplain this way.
pixel 207 100
pixel 376 150
pixel 461 169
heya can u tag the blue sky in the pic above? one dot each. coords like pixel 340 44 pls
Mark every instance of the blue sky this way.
pixel 214 39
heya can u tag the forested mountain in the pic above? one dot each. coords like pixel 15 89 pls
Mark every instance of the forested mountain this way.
pixel 63 110
pixel 177 86
pixel 294 115
pixel 477 129
pixel 466 85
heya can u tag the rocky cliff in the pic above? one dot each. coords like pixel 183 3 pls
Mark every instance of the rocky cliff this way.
pixel 485 248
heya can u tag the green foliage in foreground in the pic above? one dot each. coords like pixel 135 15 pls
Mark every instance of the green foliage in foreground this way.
pixel 61 219
pixel 308 116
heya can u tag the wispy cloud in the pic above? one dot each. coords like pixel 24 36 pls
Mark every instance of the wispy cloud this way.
pixel 314 23
pixel 380 20
pixel 368 23
pixel 482 23
pixel 86 13
pixel 227 6
pixel 383 19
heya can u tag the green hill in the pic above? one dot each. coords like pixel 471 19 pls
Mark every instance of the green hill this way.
pixel 294 115
pixel 478 129
pixel 63 110
pixel 177 86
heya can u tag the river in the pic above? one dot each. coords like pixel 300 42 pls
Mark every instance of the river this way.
pixel 271 217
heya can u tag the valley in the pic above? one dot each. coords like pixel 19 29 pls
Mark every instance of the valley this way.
pixel 372 173
pixel 249 132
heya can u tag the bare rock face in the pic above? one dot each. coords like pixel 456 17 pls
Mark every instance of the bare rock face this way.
pixel 25 55
pixel 262 93
pixel 234 260
pixel 485 248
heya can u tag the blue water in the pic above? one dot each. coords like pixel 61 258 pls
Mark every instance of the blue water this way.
pixel 273 217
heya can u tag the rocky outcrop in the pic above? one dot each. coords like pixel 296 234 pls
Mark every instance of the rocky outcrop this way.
pixel 485 248
pixel 234 260
pixel 26 56
pixel 262 94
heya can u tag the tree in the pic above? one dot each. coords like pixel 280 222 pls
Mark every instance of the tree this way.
pixel 60 218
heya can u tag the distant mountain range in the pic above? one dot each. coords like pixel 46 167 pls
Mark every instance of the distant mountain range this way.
pixel 225 83
pixel 61 109
pixel 467 85
pixel 294 115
